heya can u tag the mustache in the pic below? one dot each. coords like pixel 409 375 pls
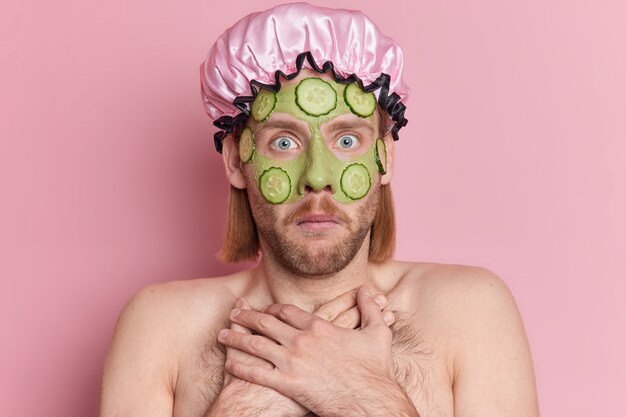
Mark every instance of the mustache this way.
pixel 324 204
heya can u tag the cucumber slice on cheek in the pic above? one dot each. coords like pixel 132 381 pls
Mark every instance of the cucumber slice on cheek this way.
pixel 355 181
pixel 275 185
pixel 315 96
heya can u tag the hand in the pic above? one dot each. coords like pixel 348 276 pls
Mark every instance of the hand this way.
pixel 344 312
pixel 311 357
pixel 253 399
pixel 243 398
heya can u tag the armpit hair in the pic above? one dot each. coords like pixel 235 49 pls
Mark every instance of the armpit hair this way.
pixel 412 355
pixel 210 375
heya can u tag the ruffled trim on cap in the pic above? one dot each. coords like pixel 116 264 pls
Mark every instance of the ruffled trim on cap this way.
pixel 389 102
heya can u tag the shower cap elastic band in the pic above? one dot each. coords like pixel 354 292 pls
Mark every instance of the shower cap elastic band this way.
pixel 263 47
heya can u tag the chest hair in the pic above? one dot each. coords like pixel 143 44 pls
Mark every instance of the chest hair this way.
pixel 411 354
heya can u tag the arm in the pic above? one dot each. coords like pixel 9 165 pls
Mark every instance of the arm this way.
pixel 138 377
pixel 242 398
pixel 319 364
pixel 493 370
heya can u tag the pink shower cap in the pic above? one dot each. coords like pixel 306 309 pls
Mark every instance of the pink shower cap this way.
pixel 264 46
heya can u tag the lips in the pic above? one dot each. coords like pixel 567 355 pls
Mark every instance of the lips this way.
pixel 317 215
pixel 317 224
pixel 317 218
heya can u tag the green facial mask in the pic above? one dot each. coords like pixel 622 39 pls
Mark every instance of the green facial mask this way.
pixel 315 101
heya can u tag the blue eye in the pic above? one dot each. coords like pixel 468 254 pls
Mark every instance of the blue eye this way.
pixel 284 143
pixel 347 141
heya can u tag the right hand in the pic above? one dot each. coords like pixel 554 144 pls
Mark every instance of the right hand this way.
pixel 245 398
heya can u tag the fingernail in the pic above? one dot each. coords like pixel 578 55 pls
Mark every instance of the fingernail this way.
pixel 222 334
pixel 235 313
pixel 239 303
pixel 389 317
pixel 381 300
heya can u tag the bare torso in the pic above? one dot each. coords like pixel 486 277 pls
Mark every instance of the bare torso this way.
pixel 458 342
pixel 423 363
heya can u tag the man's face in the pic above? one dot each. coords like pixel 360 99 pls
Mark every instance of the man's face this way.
pixel 313 178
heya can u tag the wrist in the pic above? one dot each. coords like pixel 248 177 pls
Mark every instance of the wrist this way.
pixel 393 402
pixel 225 404
pixel 390 400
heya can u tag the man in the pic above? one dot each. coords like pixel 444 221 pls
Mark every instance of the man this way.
pixel 310 101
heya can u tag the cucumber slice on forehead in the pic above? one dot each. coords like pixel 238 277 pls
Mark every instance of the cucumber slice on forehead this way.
pixel 361 103
pixel 355 181
pixel 315 96
pixel 246 145
pixel 263 105
pixel 380 155
pixel 275 185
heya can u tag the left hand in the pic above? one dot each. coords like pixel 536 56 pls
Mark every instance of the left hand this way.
pixel 318 364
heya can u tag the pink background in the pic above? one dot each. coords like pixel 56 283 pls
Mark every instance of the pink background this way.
pixel 514 159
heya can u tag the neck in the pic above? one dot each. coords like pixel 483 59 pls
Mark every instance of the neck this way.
pixel 277 284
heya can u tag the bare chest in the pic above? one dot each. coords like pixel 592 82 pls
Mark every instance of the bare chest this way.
pixel 420 369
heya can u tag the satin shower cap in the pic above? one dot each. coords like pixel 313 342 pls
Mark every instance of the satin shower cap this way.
pixel 264 46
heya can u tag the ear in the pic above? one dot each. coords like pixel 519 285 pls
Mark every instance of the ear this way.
pixel 390 147
pixel 232 162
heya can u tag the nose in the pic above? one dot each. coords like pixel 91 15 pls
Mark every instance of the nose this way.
pixel 319 171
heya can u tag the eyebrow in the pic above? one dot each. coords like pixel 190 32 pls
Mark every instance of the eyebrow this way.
pixel 281 124
pixel 350 124
pixel 333 125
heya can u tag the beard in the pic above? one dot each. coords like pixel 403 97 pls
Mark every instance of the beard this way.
pixel 303 259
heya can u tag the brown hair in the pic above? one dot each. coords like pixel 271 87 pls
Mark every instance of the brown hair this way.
pixel 241 240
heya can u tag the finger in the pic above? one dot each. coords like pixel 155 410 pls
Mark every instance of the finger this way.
pixel 389 317
pixel 241 303
pixel 342 304
pixel 256 345
pixel 371 316
pixel 239 354
pixel 292 315
pixel 332 309
pixel 381 300
pixel 350 319
pixel 255 374
pixel 263 323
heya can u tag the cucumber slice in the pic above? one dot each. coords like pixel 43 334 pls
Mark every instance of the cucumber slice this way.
pixel 263 105
pixel 315 96
pixel 275 185
pixel 355 181
pixel 246 145
pixel 361 103
pixel 380 155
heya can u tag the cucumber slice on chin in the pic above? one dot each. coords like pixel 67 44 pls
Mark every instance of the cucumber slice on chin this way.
pixel 275 185
pixel 315 96
pixel 355 181
pixel 361 103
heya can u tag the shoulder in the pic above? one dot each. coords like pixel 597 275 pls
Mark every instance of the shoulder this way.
pixel 489 358
pixel 163 312
pixel 168 298
pixel 458 288
pixel 470 300
pixel 155 326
